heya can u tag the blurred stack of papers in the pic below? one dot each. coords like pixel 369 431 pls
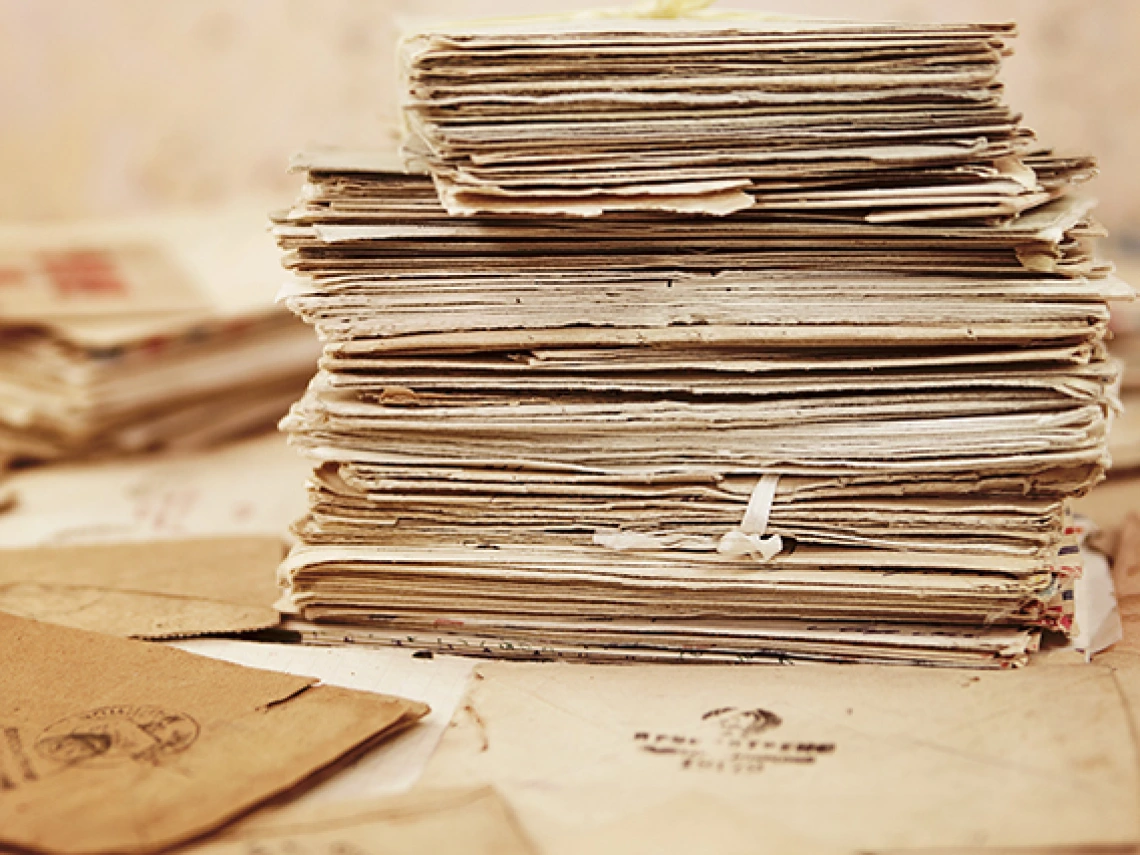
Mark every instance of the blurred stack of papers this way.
pixel 130 335
pixel 1124 345
pixel 844 429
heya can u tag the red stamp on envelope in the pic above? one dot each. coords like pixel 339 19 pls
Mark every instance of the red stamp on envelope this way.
pixel 83 273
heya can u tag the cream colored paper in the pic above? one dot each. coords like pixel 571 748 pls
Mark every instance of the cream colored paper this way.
pixel 446 822
pixel 388 769
pixel 253 487
pixel 856 758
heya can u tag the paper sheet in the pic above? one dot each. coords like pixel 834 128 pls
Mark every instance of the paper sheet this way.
pixel 439 682
pixel 253 487
pixel 856 757
pixel 147 589
pixel 1098 620
pixel 471 821
pixel 123 746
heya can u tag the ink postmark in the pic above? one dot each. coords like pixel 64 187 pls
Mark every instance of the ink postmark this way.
pixel 116 735
pixel 733 740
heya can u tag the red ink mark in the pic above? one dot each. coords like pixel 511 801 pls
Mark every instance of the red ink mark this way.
pixel 83 273
pixel 164 509
pixel 156 344
pixel 12 276
pixel 238 326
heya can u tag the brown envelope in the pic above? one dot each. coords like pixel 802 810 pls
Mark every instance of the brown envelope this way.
pixel 155 589
pixel 118 746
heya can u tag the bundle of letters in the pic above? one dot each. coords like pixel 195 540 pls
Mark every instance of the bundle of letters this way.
pixel 130 335
pixel 715 338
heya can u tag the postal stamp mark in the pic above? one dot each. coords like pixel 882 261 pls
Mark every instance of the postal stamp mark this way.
pixel 116 735
pixel 732 740
pixel 15 766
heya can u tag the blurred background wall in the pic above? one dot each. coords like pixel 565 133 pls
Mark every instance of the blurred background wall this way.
pixel 123 106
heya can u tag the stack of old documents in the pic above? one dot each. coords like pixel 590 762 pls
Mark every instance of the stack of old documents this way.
pixel 887 123
pixel 839 420
pixel 129 335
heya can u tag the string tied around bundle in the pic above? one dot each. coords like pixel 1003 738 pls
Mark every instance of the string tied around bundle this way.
pixel 749 539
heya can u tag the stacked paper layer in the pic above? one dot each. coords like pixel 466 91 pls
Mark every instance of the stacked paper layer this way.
pixel 843 429
pixel 130 335
pixel 719 113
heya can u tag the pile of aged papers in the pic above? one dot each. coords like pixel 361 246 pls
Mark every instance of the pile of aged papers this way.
pixel 710 115
pixel 755 339
pixel 123 336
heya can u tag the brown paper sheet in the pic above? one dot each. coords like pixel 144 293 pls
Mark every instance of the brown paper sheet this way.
pixel 182 743
pixel 155 589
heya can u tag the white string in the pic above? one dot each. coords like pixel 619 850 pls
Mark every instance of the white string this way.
pixel 749 538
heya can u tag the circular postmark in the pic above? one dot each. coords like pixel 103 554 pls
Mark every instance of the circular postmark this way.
pixel 742 724
pixel 113 735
